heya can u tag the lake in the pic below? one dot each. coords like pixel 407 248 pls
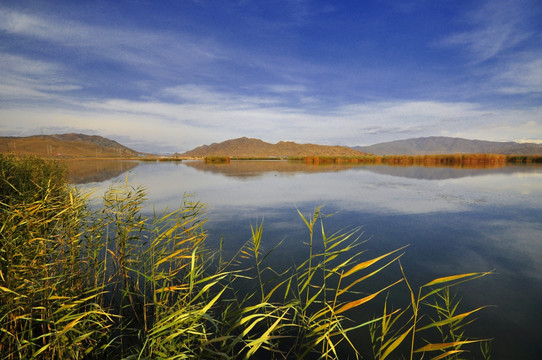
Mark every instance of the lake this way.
pixel 455 220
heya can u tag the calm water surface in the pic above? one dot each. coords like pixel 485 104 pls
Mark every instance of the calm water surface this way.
pixel 454 221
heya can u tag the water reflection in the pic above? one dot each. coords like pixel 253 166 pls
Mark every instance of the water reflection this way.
pixel 82 171
pixel 255 168
pixel 455 220
pixel 278 184
pixel 442 173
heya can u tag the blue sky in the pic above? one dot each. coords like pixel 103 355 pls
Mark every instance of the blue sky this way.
pixel 166 76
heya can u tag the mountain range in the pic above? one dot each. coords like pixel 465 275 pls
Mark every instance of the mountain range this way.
pixel 442 145
pixel 249 147
pixel 65 145
pixel 80 145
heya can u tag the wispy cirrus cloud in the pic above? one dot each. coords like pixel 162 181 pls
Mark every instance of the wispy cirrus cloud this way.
pixel 191 116
pixel 24 78
pixel 154 60
pixel 523 76
pixel 203 94
pixel 503 47
pixel 142 50
pixel 494 27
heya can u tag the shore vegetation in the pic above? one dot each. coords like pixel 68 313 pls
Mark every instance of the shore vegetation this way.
pixel 452 160
pixel 217 159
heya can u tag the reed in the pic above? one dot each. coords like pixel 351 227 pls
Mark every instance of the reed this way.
pixel 259 158
pixel 115 283
pixel 48 306
pixel 170 158
pixel 449 160
pixel 24 180
pixel 217 159
pixel 524 159
pixel 414 331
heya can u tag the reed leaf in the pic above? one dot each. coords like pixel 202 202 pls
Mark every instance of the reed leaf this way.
pixel 447 353
pixel 355 282
pixel 450 278
pixel 450 320
pixel 398 341
pixel 368 263
pixel 444 346
pixel 256 344
pixel 361 301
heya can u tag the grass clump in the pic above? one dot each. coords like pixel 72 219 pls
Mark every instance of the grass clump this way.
pixel 217 159
pixel 23 180
pixel 48 307
pixel 116 283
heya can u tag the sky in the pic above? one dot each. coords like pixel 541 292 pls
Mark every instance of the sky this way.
pixel 168 76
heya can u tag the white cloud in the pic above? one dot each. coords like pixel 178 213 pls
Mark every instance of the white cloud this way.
pixel 496 26
pixel 521 77
pixel 504 50
pixel 201 94
pixel 23 65
pixel 536 141
pixel 286 89
pixel 24 78
pixel 185 124
pixel 144 50
pixel 506 125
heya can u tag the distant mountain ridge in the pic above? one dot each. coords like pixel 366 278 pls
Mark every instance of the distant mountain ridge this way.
pixel 250 147
pixel 66 145
pixel 448 145
pixel 81 145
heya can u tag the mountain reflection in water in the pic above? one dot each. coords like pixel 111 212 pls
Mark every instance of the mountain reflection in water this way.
pixel 254 168
pixel 83 171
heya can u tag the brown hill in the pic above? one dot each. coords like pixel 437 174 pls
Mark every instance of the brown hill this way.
pixel 65 145
pixel 256 148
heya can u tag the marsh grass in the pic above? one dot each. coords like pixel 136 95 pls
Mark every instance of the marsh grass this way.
pixel 48 307
pixel 116 283
pixel 524 159
pixel 217 159
pixel 448 160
